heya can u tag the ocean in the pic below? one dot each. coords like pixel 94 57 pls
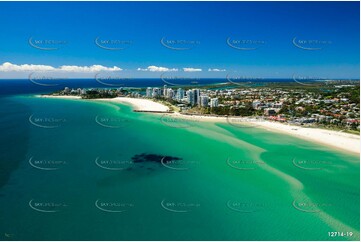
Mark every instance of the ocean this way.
pixel 90 170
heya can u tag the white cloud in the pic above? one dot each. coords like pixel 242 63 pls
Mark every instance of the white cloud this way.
pixel 9 67
pixel 157 69
pixel 215 69
pixel 190 69
pixel 93 68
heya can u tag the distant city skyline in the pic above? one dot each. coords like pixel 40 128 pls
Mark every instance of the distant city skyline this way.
pixel 180 39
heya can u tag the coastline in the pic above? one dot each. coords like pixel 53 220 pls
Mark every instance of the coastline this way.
pixel 138 104
pixel 330 138
pixel 335 139
pixel 61 97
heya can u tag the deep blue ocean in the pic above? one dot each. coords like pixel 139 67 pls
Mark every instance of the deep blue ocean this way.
pixel 25 86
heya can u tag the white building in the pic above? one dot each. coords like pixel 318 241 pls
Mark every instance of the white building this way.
pixel 180 94
pixel 255 104
pixel 169 93
pixel 189 94
pixel 149 92
pixel 214 102
pixel 196 94
pixel 156 92
pixel 193 97
pixel 203 101
pixel 165 91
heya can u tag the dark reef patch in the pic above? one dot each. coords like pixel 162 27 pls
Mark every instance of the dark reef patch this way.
pixel 153 158
pixel 144 165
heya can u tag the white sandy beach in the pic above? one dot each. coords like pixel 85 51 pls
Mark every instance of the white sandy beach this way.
pixel 139 104
pixel 62 97
pixel 336 139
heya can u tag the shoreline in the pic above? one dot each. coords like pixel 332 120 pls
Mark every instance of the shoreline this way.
pixel 330 138
pixel 138 104
pixel 61 97
pixel 335 139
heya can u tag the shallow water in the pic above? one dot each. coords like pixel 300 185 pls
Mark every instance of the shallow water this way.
pixel 87 170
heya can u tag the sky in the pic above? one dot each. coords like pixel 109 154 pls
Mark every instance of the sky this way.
pixel 195 39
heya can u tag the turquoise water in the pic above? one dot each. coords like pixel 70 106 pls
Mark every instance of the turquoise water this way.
pixel 89 170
